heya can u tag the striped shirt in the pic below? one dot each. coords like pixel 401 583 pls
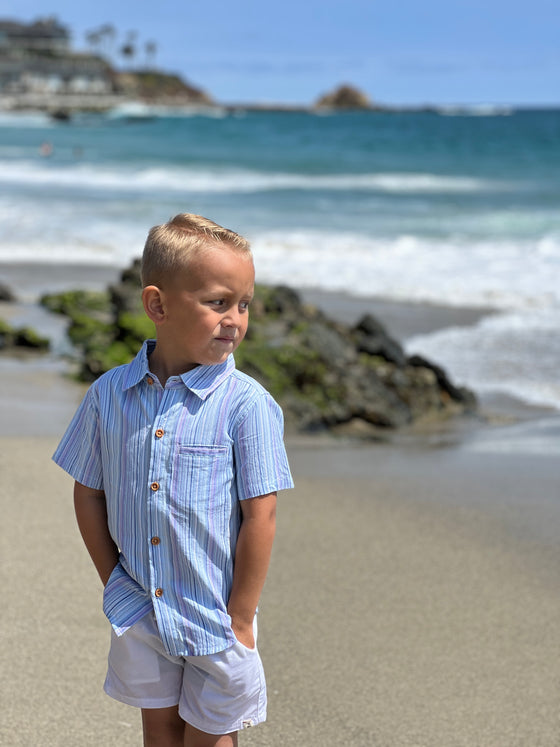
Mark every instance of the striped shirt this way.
pixel 174 463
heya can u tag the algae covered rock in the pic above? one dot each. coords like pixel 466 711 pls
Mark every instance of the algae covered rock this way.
pixel 106 327
pixel 325 375
pixel 21 337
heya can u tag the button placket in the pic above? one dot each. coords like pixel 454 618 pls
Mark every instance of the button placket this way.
pixel 155 540
pixel 157 468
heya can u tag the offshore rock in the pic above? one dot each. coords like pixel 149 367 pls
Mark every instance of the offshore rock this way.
pixel 325 375
pixel 344 97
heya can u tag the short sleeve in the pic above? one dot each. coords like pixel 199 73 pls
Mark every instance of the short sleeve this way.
pixel 260 455
pixel 79 451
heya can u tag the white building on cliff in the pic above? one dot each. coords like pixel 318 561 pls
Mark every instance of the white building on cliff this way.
pixel 36 60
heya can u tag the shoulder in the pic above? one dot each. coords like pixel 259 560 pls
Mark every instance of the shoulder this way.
pixel 110 382
pixel 250 391
pixel 246 383
pixel 126 375
pixel 251 399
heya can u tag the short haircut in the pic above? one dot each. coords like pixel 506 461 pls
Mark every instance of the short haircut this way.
pixel 169 247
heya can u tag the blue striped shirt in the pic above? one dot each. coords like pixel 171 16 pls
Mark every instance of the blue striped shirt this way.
pixel 174 463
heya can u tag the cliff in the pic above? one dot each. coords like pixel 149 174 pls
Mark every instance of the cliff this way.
pixel 151 86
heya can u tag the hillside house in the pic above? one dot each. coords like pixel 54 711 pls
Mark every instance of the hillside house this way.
pixel 36 58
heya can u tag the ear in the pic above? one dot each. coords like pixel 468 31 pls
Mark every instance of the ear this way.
pixel 153 304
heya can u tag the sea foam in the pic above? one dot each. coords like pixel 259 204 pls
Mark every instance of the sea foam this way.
pixel 501 274
pixel 512 353
pixel 87 177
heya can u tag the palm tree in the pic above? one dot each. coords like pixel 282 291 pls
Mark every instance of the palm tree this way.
pixel 128 49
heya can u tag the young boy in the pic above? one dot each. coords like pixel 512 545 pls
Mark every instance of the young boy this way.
pixel 177 458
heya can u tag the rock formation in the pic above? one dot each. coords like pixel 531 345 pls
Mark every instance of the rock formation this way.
pixel 344 97
pixel 325 375
pixel 12 338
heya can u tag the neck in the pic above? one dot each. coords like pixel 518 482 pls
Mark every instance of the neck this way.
pixel 164 367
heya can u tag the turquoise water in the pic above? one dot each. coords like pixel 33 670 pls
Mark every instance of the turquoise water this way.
pixel 455 208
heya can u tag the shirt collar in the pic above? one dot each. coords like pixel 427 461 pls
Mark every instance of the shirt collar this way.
pixel 201 380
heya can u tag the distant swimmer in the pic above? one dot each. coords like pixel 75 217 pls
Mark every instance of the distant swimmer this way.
pixel 46 149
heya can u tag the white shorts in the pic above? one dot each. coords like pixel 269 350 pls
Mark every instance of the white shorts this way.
pixel 218 694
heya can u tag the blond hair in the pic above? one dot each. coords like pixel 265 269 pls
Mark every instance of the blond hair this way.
pixel 169 247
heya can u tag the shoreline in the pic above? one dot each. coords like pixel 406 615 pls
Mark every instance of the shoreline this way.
pixel 402 319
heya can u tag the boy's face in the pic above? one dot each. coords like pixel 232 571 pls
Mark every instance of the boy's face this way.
pixel 207 306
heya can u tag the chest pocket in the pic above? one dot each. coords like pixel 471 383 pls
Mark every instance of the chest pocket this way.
pixel 202 477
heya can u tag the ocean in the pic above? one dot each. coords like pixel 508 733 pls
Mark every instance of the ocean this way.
pixel 460 208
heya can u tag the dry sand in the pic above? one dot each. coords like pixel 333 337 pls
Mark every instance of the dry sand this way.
pixel 413 599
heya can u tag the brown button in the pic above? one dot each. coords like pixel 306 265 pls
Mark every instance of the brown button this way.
pixel 155 540
pixel 158 592
pixel 159 432
pixel 155 486
pixel 150 380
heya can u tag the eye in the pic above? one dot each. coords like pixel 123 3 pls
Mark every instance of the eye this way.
pixel 244 305
pixel 217 302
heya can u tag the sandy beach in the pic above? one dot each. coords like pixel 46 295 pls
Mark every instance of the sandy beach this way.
pixel 413 597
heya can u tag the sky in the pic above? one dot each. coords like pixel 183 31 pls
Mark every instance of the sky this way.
pixel 399 52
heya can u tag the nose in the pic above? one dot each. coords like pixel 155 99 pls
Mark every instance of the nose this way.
pixel 232 318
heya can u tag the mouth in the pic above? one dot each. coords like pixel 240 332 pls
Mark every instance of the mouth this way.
pixel 225 340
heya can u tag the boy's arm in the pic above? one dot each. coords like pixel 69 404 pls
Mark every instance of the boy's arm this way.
pixel 91 513
pixel 252 557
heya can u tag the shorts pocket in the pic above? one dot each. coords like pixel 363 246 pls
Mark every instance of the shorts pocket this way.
pixel 242 646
